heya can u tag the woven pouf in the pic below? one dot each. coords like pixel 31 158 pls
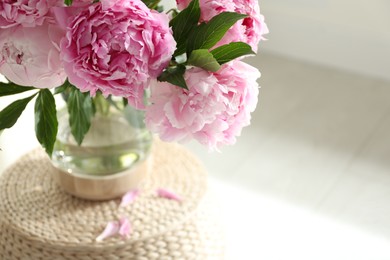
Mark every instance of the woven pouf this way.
pixel 40 221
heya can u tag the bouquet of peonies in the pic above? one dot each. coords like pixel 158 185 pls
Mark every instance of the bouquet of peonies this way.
pixel 182 67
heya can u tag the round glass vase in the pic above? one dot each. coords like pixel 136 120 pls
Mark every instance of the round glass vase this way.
pixel 113 157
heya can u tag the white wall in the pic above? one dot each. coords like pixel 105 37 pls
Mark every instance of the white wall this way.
pixel 348 34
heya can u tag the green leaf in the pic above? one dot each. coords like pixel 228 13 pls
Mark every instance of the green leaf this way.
pixel 62 88
pixel 68 2
pixel 125 101
pixel 231 51
pixel 152 4
pixel 11 114
pixel 46 123
pixel 80 113
pixel 184 23
pixel 204 59
pixel 7 89
pixel 208 34
pixel 174 76
pixel 180 49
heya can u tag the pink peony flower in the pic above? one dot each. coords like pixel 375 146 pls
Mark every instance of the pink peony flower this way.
pixel 30 56
pixel 249 30
pixel 64 15
pixel 117 47
pixel 213 110
pixel 28 13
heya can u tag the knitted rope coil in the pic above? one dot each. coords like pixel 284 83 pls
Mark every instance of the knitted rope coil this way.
pixel 40 221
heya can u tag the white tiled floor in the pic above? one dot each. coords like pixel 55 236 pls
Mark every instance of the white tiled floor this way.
pixel 310 178
pixel 319 141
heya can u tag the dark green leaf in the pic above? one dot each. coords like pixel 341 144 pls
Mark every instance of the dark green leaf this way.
pixel 125 101
pixel 180 49
pixel 46 124
pixel 152 4
pixel 231 51
pixel 174 76
pixel 148 2
pixel 208 34
pixel 68 2
pixel 63 87
pixel 10 114
pixel 7 89
pixel 184 23
pixel 80 113
pixel 204 59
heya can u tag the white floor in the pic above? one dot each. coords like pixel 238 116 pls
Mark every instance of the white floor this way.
pixel 310 179
pixel 315 163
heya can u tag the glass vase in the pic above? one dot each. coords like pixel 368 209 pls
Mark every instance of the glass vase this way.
pixel 112 157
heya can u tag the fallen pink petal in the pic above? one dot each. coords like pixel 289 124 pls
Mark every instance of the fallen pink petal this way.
pixel 125 228
pixel 112 228
pixel 164 193
pixel 129 197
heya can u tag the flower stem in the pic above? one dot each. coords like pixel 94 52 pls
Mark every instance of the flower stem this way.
pixel 102 105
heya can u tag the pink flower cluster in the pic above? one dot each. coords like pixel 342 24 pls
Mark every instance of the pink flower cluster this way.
pixel 213 110
pixel 115 46
pixel 250 30
pixel 120 48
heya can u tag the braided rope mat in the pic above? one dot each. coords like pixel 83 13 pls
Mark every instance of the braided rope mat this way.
pixel 40 221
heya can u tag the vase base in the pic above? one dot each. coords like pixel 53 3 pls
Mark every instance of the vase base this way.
pixel 103 187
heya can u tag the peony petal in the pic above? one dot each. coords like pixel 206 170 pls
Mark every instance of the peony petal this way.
pixel 125 228
pixel 129 197
pixel 164 193
pixel 112 228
